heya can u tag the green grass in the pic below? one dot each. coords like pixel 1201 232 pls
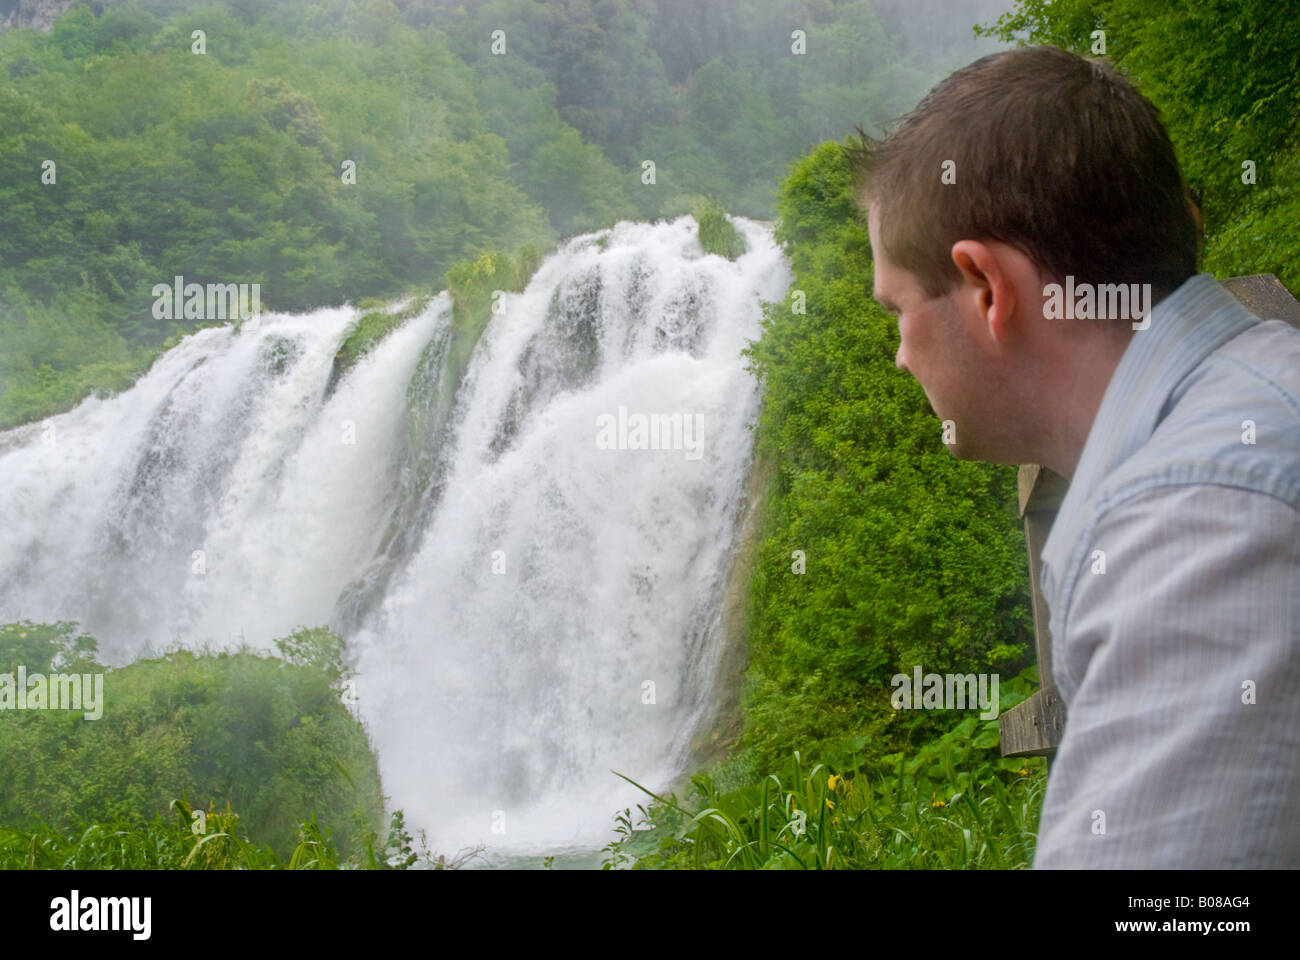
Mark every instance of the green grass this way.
pixel 953 803
pixel 815 819
pixel 205 840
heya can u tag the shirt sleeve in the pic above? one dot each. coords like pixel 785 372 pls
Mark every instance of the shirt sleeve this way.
pixel 1181 746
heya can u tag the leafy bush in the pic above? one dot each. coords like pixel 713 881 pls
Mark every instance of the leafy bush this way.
pixel 910 555
pixel 471 284
pixel 269 737
pixel 370 329
pixel 717 235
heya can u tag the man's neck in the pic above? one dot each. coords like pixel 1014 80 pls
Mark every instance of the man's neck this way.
pixel 1079 383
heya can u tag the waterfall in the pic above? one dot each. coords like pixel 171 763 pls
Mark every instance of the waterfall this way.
pixel 527 563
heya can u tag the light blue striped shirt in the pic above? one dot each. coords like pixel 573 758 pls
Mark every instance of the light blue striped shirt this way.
pixel 1180 664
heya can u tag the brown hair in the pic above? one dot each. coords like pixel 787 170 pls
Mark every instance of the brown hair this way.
pixel 1056 155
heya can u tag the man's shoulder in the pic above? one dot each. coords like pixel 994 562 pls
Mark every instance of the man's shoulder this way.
pixel 1234 420
pixel 1228 434
pixel 1260 364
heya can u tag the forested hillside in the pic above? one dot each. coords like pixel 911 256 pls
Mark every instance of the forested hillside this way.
pixel 335 150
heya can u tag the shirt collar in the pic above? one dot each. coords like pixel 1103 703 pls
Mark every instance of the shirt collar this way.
pixel 1185 328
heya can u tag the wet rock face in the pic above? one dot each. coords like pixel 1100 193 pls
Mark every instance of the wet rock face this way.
pixel 36 14
pixel 564 355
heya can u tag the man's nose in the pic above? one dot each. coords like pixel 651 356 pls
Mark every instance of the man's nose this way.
pixel 898 360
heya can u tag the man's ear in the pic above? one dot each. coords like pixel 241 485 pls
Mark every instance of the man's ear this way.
pixel 987 282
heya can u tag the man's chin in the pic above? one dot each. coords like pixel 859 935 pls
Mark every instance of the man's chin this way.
pixel 960 443
pixel 960 452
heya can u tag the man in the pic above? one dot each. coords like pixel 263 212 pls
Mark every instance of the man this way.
pixel 1172 572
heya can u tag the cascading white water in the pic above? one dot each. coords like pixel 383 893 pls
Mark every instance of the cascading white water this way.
pixel 526 608
pixel 215 500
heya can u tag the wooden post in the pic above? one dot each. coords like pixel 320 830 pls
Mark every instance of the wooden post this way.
pixel 1034 727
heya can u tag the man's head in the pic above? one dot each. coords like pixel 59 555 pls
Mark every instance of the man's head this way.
pixel 1019 170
